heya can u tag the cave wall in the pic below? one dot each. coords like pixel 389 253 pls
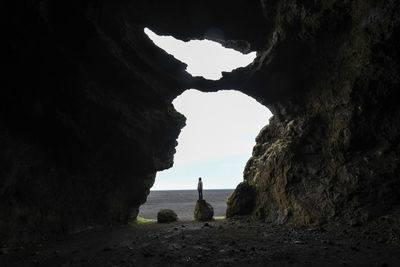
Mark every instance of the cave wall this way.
pixel 331 152
pixel 86 116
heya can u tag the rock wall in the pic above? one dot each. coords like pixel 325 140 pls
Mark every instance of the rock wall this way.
pixel 331 152
pixel 86 117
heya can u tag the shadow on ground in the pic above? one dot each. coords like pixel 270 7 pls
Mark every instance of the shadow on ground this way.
pixel 239 242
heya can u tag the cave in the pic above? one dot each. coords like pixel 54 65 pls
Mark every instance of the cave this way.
pixel 86 115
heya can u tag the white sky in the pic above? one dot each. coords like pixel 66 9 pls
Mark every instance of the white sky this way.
pixel 220 128
pixel 204 58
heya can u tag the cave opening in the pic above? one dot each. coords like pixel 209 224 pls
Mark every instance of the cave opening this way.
pixel 204 58
pixel 219 134
pixel 216 142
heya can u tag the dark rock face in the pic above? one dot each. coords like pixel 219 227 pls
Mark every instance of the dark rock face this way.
pixel 203 211
pixel 166 216
pixel 241 202
pixel 86 118
pixel 331 151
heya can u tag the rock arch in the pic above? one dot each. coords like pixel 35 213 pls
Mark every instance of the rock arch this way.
pixel 86 114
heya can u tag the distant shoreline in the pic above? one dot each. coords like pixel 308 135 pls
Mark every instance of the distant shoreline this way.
pixel 191 189
pixel 183 201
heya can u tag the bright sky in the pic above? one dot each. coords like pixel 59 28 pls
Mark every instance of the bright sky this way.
pixel 220 128
pixel 204 58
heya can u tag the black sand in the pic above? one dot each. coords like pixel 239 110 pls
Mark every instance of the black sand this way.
pixel 217 243
pixel 183 202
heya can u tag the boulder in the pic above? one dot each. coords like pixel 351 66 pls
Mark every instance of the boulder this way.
pixel 166 216
pixel 203 211
pixel 241 202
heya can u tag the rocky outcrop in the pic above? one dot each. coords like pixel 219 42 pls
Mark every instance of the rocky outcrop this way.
pixel 86 118
pixel 331 152
pixel 203 211
pixel 241 202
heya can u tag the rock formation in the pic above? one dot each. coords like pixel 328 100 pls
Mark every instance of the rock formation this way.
pixel 203 211
pixel 166 216
pixel 86 116
pixel 241 202
pixel 331 151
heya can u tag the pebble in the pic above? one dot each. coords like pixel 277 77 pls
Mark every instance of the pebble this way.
pixel 3 251
pixel 174 246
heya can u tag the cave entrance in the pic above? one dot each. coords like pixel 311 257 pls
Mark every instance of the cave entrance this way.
pixel 203 57
pixel 216 142
pixel 218 137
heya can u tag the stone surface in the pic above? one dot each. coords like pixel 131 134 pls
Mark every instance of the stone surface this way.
pixel 166 216
pixel 237 244
pixel 203 211
pixel 331 151
pixel 241 202
pixel 86 118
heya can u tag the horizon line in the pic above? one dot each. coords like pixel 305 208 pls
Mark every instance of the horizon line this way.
pixel 192 189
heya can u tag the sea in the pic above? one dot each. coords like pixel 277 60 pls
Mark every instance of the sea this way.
pixel 183 202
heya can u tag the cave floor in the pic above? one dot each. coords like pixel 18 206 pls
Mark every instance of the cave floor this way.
pixel 217 243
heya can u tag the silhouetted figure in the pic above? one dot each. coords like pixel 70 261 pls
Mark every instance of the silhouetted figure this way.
pixel 200 189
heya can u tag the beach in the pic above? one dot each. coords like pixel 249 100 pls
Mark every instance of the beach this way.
pixel 183 202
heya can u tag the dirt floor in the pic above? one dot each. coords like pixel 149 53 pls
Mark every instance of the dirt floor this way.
pixel 217 243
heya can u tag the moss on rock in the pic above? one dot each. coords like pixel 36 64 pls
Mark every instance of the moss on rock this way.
pixel 241 202
pixel 203 211
pixel 166 216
